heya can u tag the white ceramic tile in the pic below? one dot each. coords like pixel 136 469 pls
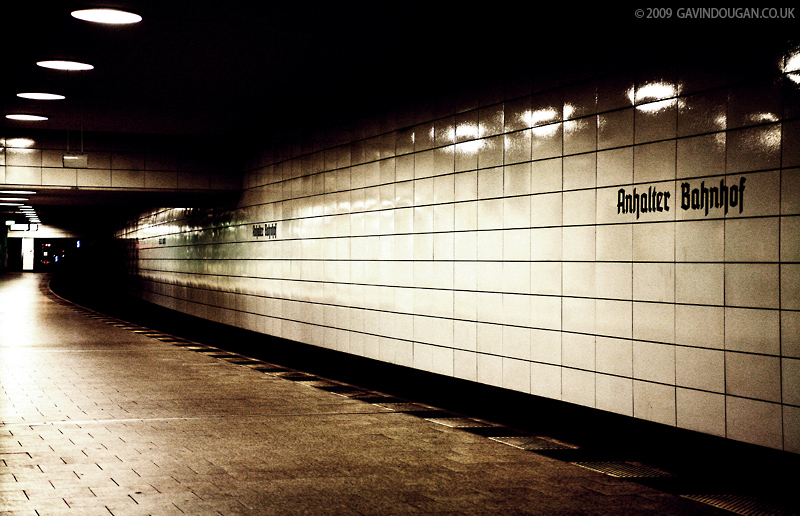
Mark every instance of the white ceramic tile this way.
pixel 613 318
pixel 753 376
pixel 58 176
pixel 23 157
pixel 791 429
pixel 615 129
pixel 752 285
pixel 490 370
pixel 653 242
pixel 26 176
pixel 580 171
pixel 517 212
pixel 580 135
pixel 578 351
pixel 740 246
pixel 490 214
pixel 546 176
pixel 790 191
pixel 613 280
pixel 654 362
pixel 654 282
pixel 654 402
pixel 614 356
pixel 516 375
pixel 614 394
pixel 546 210
pixel 579 243
pixel 546 380
pixel 790 286
pixel 790 239
pixel 755 422
pixel 698 368
pixel 655 120
pixel 654 322
pixel 579 279
pixel 578 315
pixel 700 283
pixel 579 207
pixel 756 148
pixel 700 411
pixel 546 243
pixel 517 179
pixel 790 379
pixel 701 155
pixel 517 147
pixel 614 242
pixel 517 244
pixel 790 334
pixel 700 240
pixel 654 162
pixel 546 346
pixel 465 365
pixel 578 387
pixel 545 312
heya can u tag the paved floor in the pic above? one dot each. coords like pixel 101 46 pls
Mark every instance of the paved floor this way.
pixel 102 417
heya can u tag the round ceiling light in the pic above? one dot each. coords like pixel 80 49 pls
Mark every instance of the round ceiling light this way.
pixel 112 16
pixel 30 118
pixel 40 96
pixel 65 65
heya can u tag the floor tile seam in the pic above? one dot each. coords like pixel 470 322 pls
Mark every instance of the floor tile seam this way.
pixel 223 355
pixel 87 422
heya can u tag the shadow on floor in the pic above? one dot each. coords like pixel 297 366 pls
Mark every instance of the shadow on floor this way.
pixel 699 463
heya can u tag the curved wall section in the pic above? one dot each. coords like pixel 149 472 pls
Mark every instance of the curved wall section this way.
pixel 629 242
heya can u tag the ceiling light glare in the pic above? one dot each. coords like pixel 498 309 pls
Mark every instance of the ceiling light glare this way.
pixel 40 96
pixel 17 192
pixel 28 118
pixel 65 65
pixel 111 16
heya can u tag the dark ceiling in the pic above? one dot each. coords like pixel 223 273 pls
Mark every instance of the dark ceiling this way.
pixel 209 68
pixel 222 69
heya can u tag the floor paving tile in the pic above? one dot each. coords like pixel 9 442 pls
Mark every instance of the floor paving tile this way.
pixel 98 419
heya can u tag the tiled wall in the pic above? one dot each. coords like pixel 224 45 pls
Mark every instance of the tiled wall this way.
pixel 34 158
pixel 629 242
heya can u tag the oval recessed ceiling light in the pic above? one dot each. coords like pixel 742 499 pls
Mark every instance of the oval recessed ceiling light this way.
pixel 112 16
pixel 65 65
pixel 40 96
pixel 20 116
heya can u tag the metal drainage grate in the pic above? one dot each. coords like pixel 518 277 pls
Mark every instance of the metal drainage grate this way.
pixel 268 368
pixel 532 443
pixel 320 383
pixel 200 348
pixel 296 376
pixel 623 469
pixel 242 360
pixel 740 504
pixel 343 390
pixel 457 422
pixel 219 354
pixel 404 406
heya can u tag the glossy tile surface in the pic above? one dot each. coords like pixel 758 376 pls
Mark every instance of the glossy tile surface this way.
pixel 648 217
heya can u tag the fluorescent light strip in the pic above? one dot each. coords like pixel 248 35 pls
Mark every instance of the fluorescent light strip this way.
pixel 40 96
pixel 65 65
pixel 26 117
pixel 110 16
